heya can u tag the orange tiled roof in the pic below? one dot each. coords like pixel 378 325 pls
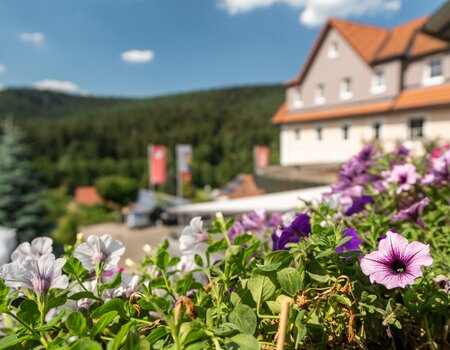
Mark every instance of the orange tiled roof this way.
pixel 365 39
pixel 408 99
pixel 400 38
pixel 376 44
pixel 87 196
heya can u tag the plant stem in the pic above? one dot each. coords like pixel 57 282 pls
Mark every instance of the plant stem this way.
pixel 429 335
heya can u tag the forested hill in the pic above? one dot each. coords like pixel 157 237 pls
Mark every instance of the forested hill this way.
pixel 77 139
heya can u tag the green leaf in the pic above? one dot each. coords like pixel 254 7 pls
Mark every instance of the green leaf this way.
pixel 104 321
pixel 326 253
pixel 282 256
pixel 157 334
pixel 267 268
pixel 112 305
pixel 290 280
pixel 225 329
pixel 233 253
pixel 174 261
pixel 84 295
pixel 121 335
pixel 198 260
pixel 218 246
pixel 242 342
pixel 261 287
pixel 85 344
pixel 73 267
pixel 111 285
pixel 317 272
pixel 191 333
pixel 28 312
pixel 55 302
pixel 162 260
pixel 242 239
pixel 244 318
pixel 76 323
pixel 300 328
pixel 9 340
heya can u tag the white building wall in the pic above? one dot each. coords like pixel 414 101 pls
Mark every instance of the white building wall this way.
pixel 333 148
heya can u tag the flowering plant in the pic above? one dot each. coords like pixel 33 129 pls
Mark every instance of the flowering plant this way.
pixel 366 267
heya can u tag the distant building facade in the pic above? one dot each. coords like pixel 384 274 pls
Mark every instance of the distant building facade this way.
pixel 362 83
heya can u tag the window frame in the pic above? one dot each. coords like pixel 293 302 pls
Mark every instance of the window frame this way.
pixel 375 87
pixel 345 131
pixel 298 97
pixel 319 99
pixel 333 50
pixel 414 135
pixel 345 89
pixel 319 133
pixel 428 79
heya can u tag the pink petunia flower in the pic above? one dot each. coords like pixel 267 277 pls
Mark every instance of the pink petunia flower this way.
pixel 396 263
pixel 404 175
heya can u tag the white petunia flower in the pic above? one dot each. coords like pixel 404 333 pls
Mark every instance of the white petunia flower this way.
pixel 99 252
pixel 192 236
pixel 38 247
pixel 82 304
pixel 40 275
pixel 129 284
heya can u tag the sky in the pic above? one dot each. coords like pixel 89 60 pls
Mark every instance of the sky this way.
pixel 157 47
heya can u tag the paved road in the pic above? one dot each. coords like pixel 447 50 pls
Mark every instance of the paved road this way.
pixel 135 240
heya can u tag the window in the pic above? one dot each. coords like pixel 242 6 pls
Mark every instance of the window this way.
pixel 378 82
pixel 345 129
pixel 319 133
pixel 416 128
pixel 435 67
pixel 320 94
pixel 346 89
pixel 298 99
pixel 433 73
pixel 333 50
pixel 376 130
pixel 297 134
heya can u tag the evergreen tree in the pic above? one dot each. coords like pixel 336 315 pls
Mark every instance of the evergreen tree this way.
pixel 21 207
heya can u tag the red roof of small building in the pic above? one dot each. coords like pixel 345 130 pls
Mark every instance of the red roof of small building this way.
pixel 87 196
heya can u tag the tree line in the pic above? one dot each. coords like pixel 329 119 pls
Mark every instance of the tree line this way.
pixel 76 140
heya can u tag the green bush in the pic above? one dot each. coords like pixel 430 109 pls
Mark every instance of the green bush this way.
pixel 117 189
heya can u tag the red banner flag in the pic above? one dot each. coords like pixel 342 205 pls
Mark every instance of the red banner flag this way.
pixel 158 163
pixel 261 156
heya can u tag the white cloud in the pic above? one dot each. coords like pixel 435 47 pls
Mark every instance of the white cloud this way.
pixel 239 6
pixel 36 38
pixel 2 68
pixel 57 85
pixel 2 87
pixel 315 12
pixel 137 56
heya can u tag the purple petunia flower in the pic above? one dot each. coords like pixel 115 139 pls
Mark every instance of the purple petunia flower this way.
pixel 440 170
pixel 300 227
pixel 396 263
pixel 404 175
pixel 412 213
pixel 236 230
pixel 276 219
pixel 402 151
pixel 359 205
pixel 352 244
pixel 255 221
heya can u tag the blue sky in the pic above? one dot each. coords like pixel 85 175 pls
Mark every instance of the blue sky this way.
pixel 83 46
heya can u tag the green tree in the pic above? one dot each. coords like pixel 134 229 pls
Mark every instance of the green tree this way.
pixel 117 189
pixel 20 192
